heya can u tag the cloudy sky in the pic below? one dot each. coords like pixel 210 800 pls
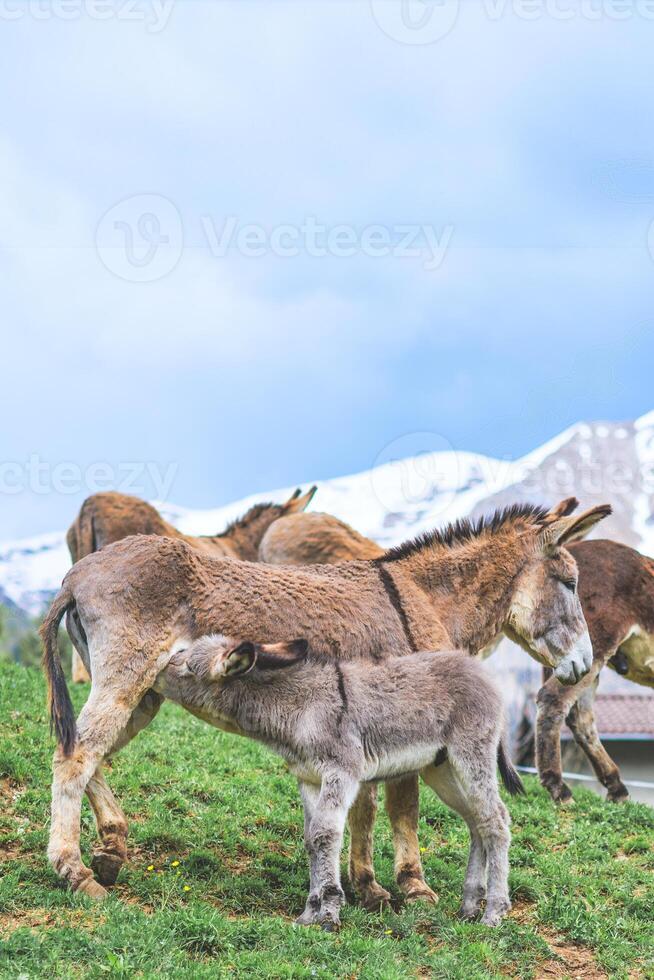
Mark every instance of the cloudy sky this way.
pixel 247 245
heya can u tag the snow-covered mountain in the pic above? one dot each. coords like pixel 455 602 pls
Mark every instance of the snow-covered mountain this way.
pixel 597 462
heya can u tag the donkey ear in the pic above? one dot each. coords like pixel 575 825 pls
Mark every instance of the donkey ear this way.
pixel 297 503
pixel 562 509
pixel 271 656
pixel 569 529
pixel 241 659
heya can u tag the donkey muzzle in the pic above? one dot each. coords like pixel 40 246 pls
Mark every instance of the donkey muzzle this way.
pixel 575 664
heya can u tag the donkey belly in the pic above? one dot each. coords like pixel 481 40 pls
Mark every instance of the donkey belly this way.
pixel 401 761
pixel 638 648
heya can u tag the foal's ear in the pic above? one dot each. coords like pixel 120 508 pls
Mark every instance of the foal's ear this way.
pixel 272 656
pixel 241 659
pixel 296 504
pixel 568 529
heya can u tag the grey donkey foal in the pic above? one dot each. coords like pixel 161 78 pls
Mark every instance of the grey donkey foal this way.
pixel 340 724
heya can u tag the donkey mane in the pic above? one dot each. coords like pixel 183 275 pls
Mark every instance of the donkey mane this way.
pixel 250 515
pixel 464 530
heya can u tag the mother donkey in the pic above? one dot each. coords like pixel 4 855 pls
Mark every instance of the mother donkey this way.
pixel 131 605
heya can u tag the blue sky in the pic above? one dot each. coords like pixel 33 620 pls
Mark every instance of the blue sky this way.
pixel 523 144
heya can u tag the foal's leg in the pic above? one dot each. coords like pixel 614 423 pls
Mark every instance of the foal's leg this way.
pixel 310 795
pixel 402 806
pixel 443 781
pixel 474 768
pixel 555 701
pixel 362 873
pixel 110 819
pixel 80 674
pixel 324 841
pixel 581 720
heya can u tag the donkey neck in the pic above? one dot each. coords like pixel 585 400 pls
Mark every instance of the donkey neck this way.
pixel 270 705
pixel 242 539
pixel 469 586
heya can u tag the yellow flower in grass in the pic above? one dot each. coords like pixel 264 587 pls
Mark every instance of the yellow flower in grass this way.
pixel 187 888
pixel 423 850
pixel 151 867
pixel 388 932
pixel 175 864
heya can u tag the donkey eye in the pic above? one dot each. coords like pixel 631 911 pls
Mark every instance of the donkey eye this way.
pixel 570 584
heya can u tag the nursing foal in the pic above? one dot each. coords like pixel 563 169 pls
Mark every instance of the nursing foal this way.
pixel 131 604
pixel 340 725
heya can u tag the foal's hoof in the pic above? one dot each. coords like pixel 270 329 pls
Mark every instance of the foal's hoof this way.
pixel 329 922
pixel 106 867
pixel 375 898
pixel 419 891
pixel 493 916
pixel 468 913
pixel 92 889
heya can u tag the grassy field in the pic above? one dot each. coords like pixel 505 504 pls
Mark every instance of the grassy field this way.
pixel 217 873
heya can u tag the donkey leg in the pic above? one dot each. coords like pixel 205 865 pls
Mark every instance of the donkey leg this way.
pixel 325 839
pixel 474 770
pixel 110 819
pixel 310 795
pixel 554 703
pixel 443 781
pixel 581 720
pixel 402 806
pixel 111 822
pixel 361 820
pixel 100 722
pixel 80 674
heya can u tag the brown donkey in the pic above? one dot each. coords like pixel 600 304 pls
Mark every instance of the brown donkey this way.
pixel 107 517
pixel 616 588
pixel 133 603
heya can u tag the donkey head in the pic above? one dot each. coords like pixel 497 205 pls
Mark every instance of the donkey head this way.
pixel 545 615
pixel 215 659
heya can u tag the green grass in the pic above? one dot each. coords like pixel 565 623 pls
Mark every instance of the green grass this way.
pixel 582 879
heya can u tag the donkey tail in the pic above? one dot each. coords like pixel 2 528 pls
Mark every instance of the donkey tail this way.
pixel 510 778
pixel 62 716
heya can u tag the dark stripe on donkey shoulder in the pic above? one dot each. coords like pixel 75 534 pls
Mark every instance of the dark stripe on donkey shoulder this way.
pixel 396 601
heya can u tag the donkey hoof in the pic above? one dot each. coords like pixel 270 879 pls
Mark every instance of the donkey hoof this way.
pixel 92 889
pixel 375 898
pixel 106 867
pixel 562 794
pixel 619 796
pixel 329 923
pixel 493 916
pixel 419 891
pixel 468 913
